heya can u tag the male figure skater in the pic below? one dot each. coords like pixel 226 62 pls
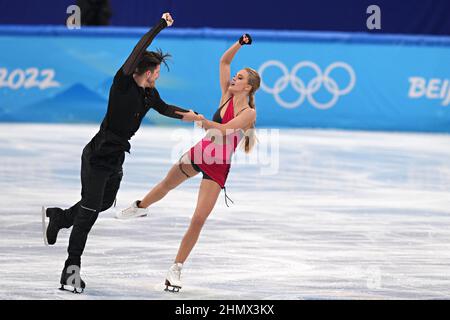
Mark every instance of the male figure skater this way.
pixel 131 95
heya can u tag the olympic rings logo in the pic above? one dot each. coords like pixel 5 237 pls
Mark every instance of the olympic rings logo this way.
pixel 307 90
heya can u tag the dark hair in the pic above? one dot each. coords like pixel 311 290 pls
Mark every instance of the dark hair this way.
pixel 150 60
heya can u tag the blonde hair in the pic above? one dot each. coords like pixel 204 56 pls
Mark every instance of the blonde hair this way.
pixel 254 80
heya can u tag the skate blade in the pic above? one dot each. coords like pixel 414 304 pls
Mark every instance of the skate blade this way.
pixel 171 288
pixel 44 225
pixel 71 289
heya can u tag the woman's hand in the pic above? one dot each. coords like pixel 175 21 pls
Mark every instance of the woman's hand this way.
pixel 245 39
pixel 201 123
pixel 200 118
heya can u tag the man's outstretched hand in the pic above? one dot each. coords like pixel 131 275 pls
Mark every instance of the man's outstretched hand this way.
pixel 190 116
pixel 166 16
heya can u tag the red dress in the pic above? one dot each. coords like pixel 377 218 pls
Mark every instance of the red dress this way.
pixel 214 159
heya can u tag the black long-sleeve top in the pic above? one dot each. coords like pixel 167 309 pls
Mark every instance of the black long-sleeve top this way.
pixel 128 102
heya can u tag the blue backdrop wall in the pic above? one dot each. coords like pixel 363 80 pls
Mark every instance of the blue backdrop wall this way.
pixel 398 16
pixel 326 80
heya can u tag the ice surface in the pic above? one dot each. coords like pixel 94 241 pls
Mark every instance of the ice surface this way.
pixel 344 215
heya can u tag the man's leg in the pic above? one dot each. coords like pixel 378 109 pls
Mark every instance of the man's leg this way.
pixel 65 218
pixel 94 183
pixel 111 188
pixel 101 190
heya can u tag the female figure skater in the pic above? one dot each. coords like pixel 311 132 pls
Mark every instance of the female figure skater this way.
pixel 234 120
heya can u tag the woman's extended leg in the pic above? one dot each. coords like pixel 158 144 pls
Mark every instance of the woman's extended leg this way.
pixel 207 197
pixel 179 173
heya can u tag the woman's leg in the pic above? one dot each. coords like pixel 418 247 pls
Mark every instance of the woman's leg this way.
pixel 179 173
pixel 207 197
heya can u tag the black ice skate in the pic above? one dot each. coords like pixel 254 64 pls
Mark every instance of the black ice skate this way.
pixel 50 230
pixel 71 280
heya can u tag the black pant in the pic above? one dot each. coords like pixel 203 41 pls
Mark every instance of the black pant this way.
pixel 98 193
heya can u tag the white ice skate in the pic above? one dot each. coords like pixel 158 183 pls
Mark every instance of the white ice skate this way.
pixel 173 279
pixel 132 212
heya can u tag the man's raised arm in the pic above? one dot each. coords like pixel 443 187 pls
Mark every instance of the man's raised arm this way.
pixel 132 61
